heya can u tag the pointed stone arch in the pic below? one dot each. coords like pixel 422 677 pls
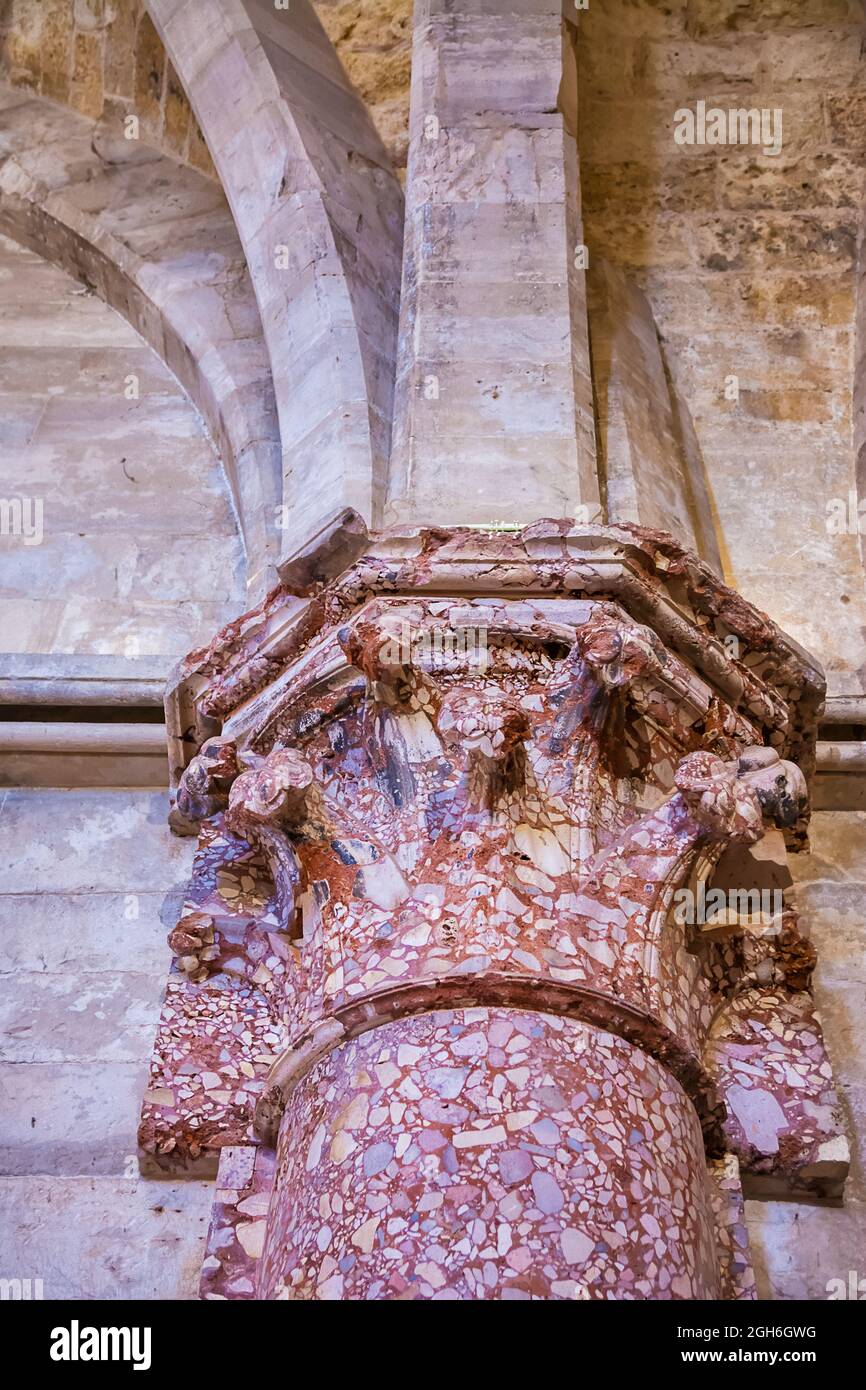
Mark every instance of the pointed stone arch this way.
pixel 319 211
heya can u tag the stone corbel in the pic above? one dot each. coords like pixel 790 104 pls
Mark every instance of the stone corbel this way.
pixel 483 734
pixel 606 658
pixel 266 804
pixel 204 787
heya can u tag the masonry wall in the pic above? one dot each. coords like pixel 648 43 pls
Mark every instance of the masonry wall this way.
pixel 94 425
pixel 104 59
pixel 91 883
pixel 748 262
pixel 137 552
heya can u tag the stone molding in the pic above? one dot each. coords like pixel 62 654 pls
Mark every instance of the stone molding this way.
pixel 654 579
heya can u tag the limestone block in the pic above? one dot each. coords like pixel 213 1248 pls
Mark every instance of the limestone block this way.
pixel 69 1118
pixel 799 1250
pixel 63 933
pixel 106 1238
pixel 732 247
pixel 104 841
pixel 653 472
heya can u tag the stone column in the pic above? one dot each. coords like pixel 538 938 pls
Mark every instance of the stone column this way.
pixel 490 1153
pixel 433 999
pixel 493 415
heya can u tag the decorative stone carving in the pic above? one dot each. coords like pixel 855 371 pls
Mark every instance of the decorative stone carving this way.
pixel 192 942
pixel 263 806
pixel 204 787
pixel 470 1024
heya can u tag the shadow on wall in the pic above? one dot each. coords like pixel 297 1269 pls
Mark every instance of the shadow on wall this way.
pixel 648 455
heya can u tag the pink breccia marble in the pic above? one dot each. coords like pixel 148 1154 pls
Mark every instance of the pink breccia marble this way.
pixel 406 845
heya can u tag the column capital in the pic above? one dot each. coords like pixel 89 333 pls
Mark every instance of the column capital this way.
pixel 474 768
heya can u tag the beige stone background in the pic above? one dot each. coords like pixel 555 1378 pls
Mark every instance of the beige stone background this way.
pixel 98 585
pixel 374 41
pixel 102 58
pixel 752 267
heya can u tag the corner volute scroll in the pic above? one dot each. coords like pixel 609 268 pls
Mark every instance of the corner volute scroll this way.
pixel 262 799
pixel 606 658
pixel 203 790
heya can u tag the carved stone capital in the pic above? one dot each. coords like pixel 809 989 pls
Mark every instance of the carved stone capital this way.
pixel 476 773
